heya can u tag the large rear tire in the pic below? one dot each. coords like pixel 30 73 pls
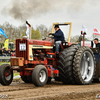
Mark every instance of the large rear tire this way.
pixel 66 65
pixel 84 66
pixel 6 74
pixel 40 75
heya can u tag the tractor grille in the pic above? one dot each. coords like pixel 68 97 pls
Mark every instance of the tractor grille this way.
pixel 24 54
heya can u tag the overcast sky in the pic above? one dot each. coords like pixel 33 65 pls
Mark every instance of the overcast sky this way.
pixel 79 12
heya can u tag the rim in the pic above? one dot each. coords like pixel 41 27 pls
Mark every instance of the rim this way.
pixel 87 66
pixel 7 74
pixel 42 77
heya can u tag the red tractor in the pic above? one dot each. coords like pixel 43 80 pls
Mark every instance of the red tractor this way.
pixel 37 62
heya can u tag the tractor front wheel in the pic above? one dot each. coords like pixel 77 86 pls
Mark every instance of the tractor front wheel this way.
pixel 40 75
pixel 6 74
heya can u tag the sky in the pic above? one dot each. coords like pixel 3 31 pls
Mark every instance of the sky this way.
pixel 37 12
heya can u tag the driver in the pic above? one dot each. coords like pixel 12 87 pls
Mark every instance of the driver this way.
pixel 58 37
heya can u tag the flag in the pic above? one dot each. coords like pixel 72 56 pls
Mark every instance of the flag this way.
pixel 96 32
pixel 6 43
pixel 84 30
pixel 3 33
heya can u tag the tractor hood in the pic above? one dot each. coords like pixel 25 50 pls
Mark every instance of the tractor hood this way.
pixel 24 47
pixel 39 42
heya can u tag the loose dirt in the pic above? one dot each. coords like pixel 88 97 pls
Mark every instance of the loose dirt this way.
pixel 19 90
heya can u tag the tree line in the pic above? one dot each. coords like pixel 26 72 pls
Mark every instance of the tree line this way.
pixel 39 32
pixel 14 32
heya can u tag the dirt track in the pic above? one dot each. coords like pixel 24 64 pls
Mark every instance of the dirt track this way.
pixel 53 91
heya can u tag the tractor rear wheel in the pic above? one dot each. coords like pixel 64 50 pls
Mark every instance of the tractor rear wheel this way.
pixel 84 66
pixel 66 65
pixel 40 75
pixel 6 74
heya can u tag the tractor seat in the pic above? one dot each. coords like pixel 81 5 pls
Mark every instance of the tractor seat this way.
pixel 62 46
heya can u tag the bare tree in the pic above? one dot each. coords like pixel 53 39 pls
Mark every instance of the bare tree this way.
pixel 14 33
pixel 76 38
pixel 11 31
pixel 43 30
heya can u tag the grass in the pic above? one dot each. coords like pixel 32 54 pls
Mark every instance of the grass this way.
pixel 4 63
pixel 15 74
